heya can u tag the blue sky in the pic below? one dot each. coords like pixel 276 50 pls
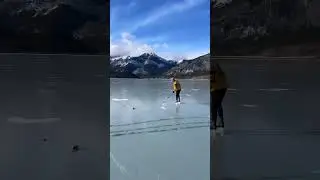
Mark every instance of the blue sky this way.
pixel 171 28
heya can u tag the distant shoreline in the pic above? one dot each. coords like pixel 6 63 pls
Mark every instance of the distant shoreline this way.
pixel 238 59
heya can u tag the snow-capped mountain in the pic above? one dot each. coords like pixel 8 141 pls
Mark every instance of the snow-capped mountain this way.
pixel 151 65
pixel 145 65
pixel 53 26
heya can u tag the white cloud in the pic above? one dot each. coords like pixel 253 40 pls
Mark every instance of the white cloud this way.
pixel 165 10
pixel 162 45
pixel 129 45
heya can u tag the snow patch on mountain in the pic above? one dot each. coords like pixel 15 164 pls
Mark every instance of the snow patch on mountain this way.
pixel 147 64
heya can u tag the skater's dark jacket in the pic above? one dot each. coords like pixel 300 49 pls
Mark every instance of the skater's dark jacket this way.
pixel 218 80
pixel 176 85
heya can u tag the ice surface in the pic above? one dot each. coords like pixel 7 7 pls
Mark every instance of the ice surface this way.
pixel 78 118
pixel 272 121
pixel 48 105
pixel 152 137
pixel 271 117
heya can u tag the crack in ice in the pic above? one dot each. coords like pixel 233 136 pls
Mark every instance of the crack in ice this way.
pixel 123 170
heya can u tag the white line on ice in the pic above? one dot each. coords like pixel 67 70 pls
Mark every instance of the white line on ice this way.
pixel 316 171
pixel 20 120
pixel 275 89
pixel 249 105
pixel 116 99
pixel 123 169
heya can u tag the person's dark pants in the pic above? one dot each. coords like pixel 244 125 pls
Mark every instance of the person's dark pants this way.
pixel 178 95
pixel 216 107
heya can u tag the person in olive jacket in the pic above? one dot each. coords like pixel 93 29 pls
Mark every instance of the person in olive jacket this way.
pixel 218 89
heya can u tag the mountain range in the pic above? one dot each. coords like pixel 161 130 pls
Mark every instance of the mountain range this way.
pixel 53 26
pixel 150 65
pixel 266 27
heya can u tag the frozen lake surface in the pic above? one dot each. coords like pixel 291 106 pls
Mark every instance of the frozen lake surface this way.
pixel 272 125
pixel 272 121
pixel 152 137
pixel 47 107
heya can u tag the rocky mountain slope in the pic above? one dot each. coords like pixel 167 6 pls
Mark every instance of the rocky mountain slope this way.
pixel 53 26
pixel 199 66
pixel 150 65
pixel 265 27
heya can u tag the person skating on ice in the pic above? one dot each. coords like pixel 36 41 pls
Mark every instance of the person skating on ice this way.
pixel 176 88
pixel 219 86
